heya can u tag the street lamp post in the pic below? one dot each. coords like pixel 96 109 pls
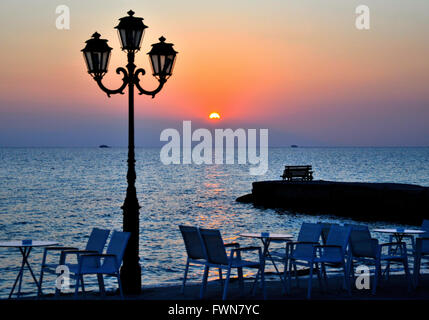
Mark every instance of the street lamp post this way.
pixel 162 57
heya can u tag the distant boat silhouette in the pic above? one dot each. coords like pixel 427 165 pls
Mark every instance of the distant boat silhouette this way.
pixel 104 146
pixel 294 146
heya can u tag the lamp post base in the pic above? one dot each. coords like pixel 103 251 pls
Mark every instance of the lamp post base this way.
pixel 131 279
pixel 131 269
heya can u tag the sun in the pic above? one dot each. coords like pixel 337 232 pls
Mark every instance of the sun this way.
pixel 214 115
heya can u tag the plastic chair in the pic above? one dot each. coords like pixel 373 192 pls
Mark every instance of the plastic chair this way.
pixel 195 251
pixel 309 235
pixel 421 252
pixel 99 264
pixel 96 243
pixel 217 257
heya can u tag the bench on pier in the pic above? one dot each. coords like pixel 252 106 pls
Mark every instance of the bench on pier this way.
pixel 303 173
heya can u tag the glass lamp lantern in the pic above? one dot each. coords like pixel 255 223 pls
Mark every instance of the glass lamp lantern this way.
pixel 131 30
pixel 97 55
pixel 162 58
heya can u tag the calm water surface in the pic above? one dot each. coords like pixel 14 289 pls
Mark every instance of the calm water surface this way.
pixel 61 193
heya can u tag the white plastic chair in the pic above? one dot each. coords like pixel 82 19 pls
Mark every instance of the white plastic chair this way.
pixel 333 253
pixel 217 257
pixel 326 226
pixel 99 264
pixel 309 235
pixel 195 251
pixel 365 250
pixel 421 252
pixel 96 243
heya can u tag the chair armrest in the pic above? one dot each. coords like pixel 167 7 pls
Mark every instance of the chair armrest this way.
pixel 100 255
pixel 391 244
pixel 318 248
pixel 328 246
pixel 80 251
pixel 290 243
pixel 48 249
pixel 232 244
pixel 238 251
pixel 247 249
pixel 64 254
pixel 60 248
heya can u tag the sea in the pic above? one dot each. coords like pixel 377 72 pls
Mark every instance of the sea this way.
pixel 60 194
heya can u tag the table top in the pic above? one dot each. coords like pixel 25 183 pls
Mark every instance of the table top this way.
pixel 279 236
pixel 19 244
pixel 402 231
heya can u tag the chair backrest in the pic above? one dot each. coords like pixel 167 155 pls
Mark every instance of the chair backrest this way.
pixel 422 246
pixel 117 245
pixel 361 243
pixel 215 248
pixel 97 240
pixel 193 244
pixel 325 230
pixel 425 227
pixel 338 236
pixel 309 232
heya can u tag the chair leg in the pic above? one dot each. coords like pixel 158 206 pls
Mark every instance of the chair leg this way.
pixel 225 289
pixel 264 289
pixel 346 279
pixel 204 284
pixel 255 282
pixel 289 282
pixel 352 271
pixel 39 292
pixel 380 274
pixel 319 277
pixel 416 272
pixel 325 276
pixel 240 280
pixel 83 283
pixel 296 275
pixel 376 275
pixel 310 280
pixel 407 273
pixel 76 289
pixel 121 292
pixel 185 276
pixel 100 284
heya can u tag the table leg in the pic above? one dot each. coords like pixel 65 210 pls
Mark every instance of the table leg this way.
pixel 25 252
pixel 265 243
pixel 19 277
pixel 398 238
pixel 266 253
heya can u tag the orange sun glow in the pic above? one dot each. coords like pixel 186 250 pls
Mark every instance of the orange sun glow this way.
pixel 214 115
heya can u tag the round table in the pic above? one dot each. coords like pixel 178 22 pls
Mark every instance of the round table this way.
pixel 266 238
pixel 399 233
pixel 25 249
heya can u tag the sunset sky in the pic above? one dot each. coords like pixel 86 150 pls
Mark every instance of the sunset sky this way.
pixel 299 68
